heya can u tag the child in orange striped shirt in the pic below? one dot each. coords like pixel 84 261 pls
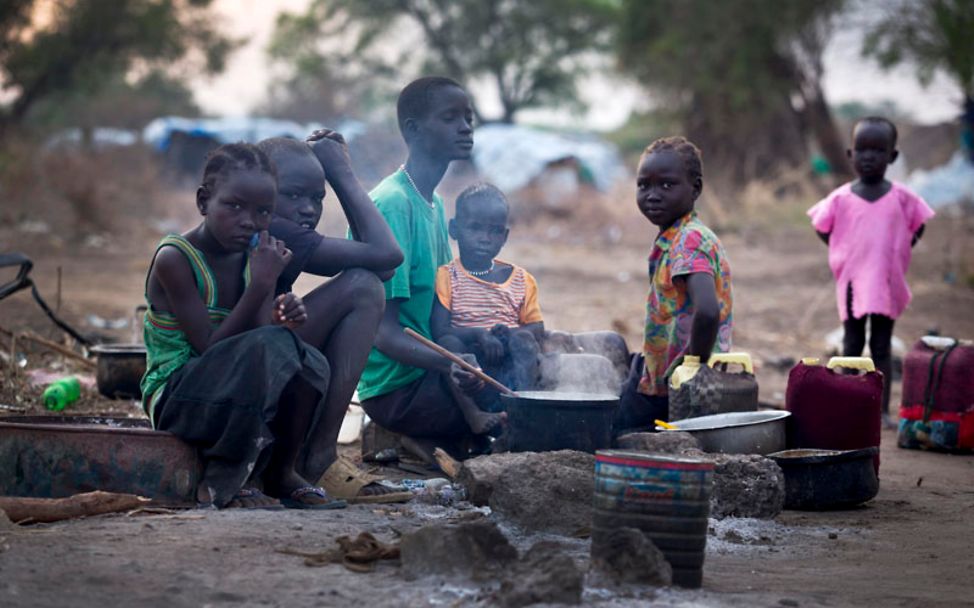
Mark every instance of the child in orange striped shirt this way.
pixel 486 306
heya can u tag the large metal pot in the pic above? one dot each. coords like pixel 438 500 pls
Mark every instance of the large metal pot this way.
pixel 827 479
pixel 542 421
pixel 120 370
pixel 736 432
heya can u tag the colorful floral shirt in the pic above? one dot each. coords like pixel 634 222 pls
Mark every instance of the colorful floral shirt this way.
pixel 685 248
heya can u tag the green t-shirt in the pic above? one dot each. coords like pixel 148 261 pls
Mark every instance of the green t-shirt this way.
pixel 422 236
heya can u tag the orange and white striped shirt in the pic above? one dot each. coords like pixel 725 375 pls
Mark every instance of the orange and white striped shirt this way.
pixel 473 302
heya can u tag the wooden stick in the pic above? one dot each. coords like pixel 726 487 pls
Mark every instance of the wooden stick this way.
pixel 67 352
pixel 20 508
pixel 459 361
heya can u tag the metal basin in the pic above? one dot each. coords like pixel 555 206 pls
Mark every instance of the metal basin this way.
pixel 736 432
pixel 58 456
pixel 827 479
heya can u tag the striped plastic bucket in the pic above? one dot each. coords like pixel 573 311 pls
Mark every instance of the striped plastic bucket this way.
pixel 668 498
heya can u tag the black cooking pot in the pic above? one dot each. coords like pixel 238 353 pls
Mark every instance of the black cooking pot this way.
pixel 827 479
pixel 546 421
pixel 120 370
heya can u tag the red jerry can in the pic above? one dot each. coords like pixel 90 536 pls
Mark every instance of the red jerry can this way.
pixel 831 410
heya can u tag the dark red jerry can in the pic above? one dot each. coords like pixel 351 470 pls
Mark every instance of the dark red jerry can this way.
pixel 832 410
pixel 938 395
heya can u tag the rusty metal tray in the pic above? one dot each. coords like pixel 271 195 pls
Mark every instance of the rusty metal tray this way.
pixel 57 456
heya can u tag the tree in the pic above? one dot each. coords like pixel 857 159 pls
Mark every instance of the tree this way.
pixel 744 74
pixel 531 52
pixel 934 35
pixel 79 47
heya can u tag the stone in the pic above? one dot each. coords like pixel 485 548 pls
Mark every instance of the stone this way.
pixel 547 492
pixel 475 549
pixel 542 575
pixel 479 475
pixel 626 555
pixel 674 443
pixel 746 485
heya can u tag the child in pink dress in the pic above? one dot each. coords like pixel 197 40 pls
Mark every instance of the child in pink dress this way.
pixel 870 226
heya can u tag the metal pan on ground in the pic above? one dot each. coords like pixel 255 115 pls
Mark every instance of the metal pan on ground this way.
pixel 541 421
pixel 817 480
pixel 736 432
pixel 120 370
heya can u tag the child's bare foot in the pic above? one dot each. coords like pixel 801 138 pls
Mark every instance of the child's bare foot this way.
pixel 252 498
pixel 482 422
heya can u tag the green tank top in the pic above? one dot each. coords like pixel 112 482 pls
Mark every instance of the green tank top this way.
pixel 167 348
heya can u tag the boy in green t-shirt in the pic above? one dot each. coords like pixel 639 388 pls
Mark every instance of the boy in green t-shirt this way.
pixel 406 387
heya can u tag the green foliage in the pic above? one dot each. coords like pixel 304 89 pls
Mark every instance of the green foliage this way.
pixel 933 34
pixel 734 69
pixel 531 52
pixel 87 45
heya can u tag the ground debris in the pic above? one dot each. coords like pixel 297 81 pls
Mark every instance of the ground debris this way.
pixel 43 510
pixel 476 549
pixel 627 555
pixel 542 575
pixel 358 554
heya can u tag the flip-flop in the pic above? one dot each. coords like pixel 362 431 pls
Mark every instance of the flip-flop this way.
pixel 294 500
pixel 345 480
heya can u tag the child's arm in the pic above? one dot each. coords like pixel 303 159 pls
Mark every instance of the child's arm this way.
pixel 395 344
pixel 441 325
pixel 176 278
pixel 706 314
pixel 374 247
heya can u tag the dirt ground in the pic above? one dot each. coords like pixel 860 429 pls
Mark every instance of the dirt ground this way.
pixel 911 546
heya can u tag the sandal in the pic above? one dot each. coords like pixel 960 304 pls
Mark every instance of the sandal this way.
pixel 345 480
pixel 296 500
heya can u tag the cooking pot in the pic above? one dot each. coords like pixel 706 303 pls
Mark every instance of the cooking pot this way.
pixel 827 479
pixel 120 370
pixel 736 432
pixel 540 421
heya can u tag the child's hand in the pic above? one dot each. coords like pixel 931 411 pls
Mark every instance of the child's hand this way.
pixel 289 311
pixel 330 149
pixel 268 259
pixel 491 347
pixel 466 381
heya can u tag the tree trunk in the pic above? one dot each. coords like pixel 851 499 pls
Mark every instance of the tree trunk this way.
pixel 822 126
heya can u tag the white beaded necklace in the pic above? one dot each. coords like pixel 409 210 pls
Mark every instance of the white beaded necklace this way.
pixel 409 178
pixel 480 273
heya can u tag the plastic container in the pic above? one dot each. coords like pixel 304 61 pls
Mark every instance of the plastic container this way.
pixel 668 498
pixel 938 395
pixel 704 390
pixel 832 410
pixel 62 393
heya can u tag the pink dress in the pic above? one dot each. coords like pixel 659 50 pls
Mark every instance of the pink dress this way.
pixel 869 247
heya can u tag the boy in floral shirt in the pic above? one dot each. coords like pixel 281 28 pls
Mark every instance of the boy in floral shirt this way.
pixel 688 309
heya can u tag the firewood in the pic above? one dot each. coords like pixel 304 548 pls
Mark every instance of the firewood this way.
pixel 41 510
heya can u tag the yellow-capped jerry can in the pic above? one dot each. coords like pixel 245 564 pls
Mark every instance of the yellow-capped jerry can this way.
pixel 702 390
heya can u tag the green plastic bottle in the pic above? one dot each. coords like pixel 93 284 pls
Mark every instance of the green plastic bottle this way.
pixel 62 393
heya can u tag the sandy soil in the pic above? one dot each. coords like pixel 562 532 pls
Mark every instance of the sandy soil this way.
pixel 911 546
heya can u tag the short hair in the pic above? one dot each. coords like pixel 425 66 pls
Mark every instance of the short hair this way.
pixel 414 99
pixel 275 145
pixel 231 157
pixel 877 120
pixel 481 190
pixel 685 148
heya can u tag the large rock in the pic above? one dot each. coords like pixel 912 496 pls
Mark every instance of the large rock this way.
pixel 547 491
pixel 746 485
pixel 476 549
pixel 479 475
pixel 674 443
pixel 626 555
pixel 543 575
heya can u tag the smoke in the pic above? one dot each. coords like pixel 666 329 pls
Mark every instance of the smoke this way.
pixel 580 373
